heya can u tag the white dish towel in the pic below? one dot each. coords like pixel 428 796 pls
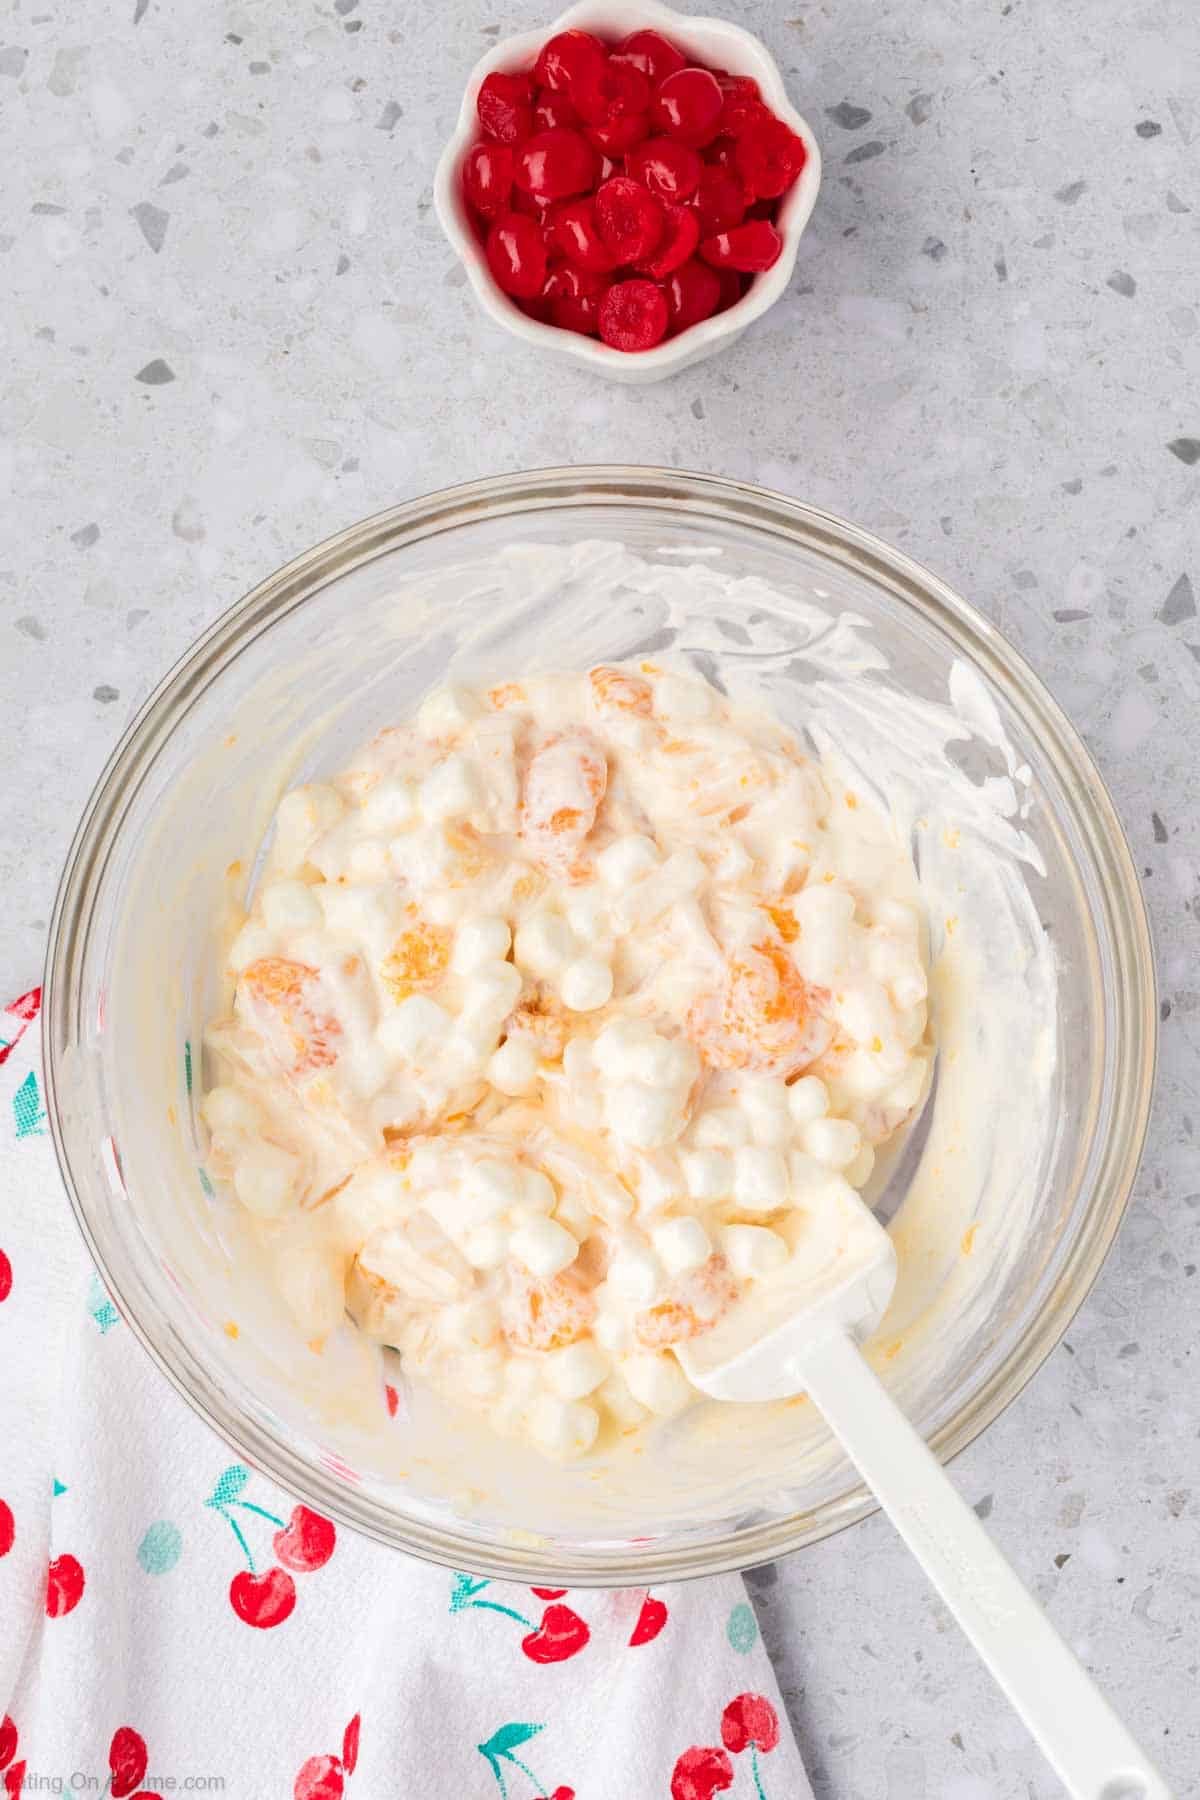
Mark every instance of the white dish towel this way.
pixel 172 1622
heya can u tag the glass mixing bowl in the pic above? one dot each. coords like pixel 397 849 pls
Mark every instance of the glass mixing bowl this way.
pixel 345 640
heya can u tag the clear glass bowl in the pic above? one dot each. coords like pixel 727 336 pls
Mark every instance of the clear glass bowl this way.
pixel 313 661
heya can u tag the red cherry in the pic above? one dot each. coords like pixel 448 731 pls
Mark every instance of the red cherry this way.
pixel 680 235
pixel 733 286
pixel 581 315
pixel 721 200
pixel 562 1633
pixel 616 137
pixel 742 106
pixel 750 1719
pixel 687 105
pixel 64 1586
pixel 614 91
pixel 566 58
pixel 633 315
pixel 5 1276
pixel 629 220
pixel 573 233
pixel 693 293
pixel 608 168
pixel 8 1741
pixel 127 1759
pixel 671 170
pixel 488 177
pixel 350 1743
pixel 306 1541
pixel 652 53
pixel 554 165
pixel 505 107
pixel 548 1593
pixel 262 1600
pixel 391 1399
pixel 536 308
pixel 722 153
pixel 751 248
pixel 650 1622
pixel 701 1772
pixel 553 110
pixel 769 157
pixel 516 255
pixel 8 1529
pixel 568 282
pixel 14 1777
pixel 320 1778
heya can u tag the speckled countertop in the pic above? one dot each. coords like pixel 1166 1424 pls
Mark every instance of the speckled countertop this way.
pixel 229 326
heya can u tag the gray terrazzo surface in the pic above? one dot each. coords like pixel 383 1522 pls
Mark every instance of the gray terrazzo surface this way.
pixel 230 325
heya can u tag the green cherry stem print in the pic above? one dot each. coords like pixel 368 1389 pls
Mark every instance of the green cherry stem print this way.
pixel 500 1748
pixel 306 1541
pixel 560 1634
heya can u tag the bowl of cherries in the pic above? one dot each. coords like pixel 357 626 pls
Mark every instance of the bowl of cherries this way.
pixel 628 186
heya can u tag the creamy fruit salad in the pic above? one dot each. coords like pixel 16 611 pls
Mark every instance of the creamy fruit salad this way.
pixel 554 1015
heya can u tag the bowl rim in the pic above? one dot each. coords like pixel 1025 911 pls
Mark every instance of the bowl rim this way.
pixel 1116 1156
pixel 710 334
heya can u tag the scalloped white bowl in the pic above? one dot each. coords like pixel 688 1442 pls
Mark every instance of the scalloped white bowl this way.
pixel 715 42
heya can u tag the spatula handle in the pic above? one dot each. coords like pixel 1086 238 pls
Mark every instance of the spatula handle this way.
pixel 1082 1738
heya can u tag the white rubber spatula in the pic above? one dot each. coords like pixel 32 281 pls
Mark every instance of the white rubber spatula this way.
pixel 800 1333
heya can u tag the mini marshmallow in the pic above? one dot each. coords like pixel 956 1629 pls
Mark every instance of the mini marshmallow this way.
pixel 708 1174
pixel 538 1193
pixel 368 862
pixel 625 1412
pixel 513 1068
pixel 656 1380
pixel 479 941
pixel 681 1245
pixel 444 712
pixel 577 1059
pixel 265 1179
pixel 865 1013
pixel 765 1104
pixel 312 1289
pixel 473 1323
pixel 227 1111
pixel 480 1373
pixel 302 817
pixel 576 1370
pixel 808 1099
pixel 375 1196
pixel 586 914
pixel 625 859
pixel 834 1142
pixel 911 1085
pixel 451 790
pixel 720 1128
pixel 645 1117
pixel 544 1246
pixel 586 984
pixel 486 1247
pixel 574 1213
pixel 752 1251
pixel 389 807
pixel 635 1273
pixel 417 1025
pixel 760 1179
pixel 418 1259
pixel 289 906
pixel 544 945
pixel 563 1428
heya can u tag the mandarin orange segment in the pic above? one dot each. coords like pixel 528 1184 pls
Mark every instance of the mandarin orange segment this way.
pixel 616 691
pixel 418 960
pixel 509 693
pixel 545 1315
pixel 692 1304
pixel 765 1018
pixel 281 997
pixel 564 785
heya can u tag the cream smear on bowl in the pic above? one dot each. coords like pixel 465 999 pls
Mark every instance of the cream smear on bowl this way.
pixel 942 774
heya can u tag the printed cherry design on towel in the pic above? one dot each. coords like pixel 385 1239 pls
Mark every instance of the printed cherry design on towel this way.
pixel 650 1622
pixel 127 1758
pixel 266 1597
pixel 5 1276
pixel 8 1531
pixel 700 1772
pixel 8 1741
pixel 501 1748
pixel 25 1011
pixel 324 1777
pixel 561 1633
pixel 65 1583
pixel 14 1777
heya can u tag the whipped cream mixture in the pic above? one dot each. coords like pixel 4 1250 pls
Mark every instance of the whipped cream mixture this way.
pixel 554 1014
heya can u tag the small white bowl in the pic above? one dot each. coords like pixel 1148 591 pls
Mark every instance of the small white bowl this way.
pixel 714 42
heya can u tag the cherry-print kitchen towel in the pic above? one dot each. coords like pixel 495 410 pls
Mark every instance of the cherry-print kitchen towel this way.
pixel 175 1623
